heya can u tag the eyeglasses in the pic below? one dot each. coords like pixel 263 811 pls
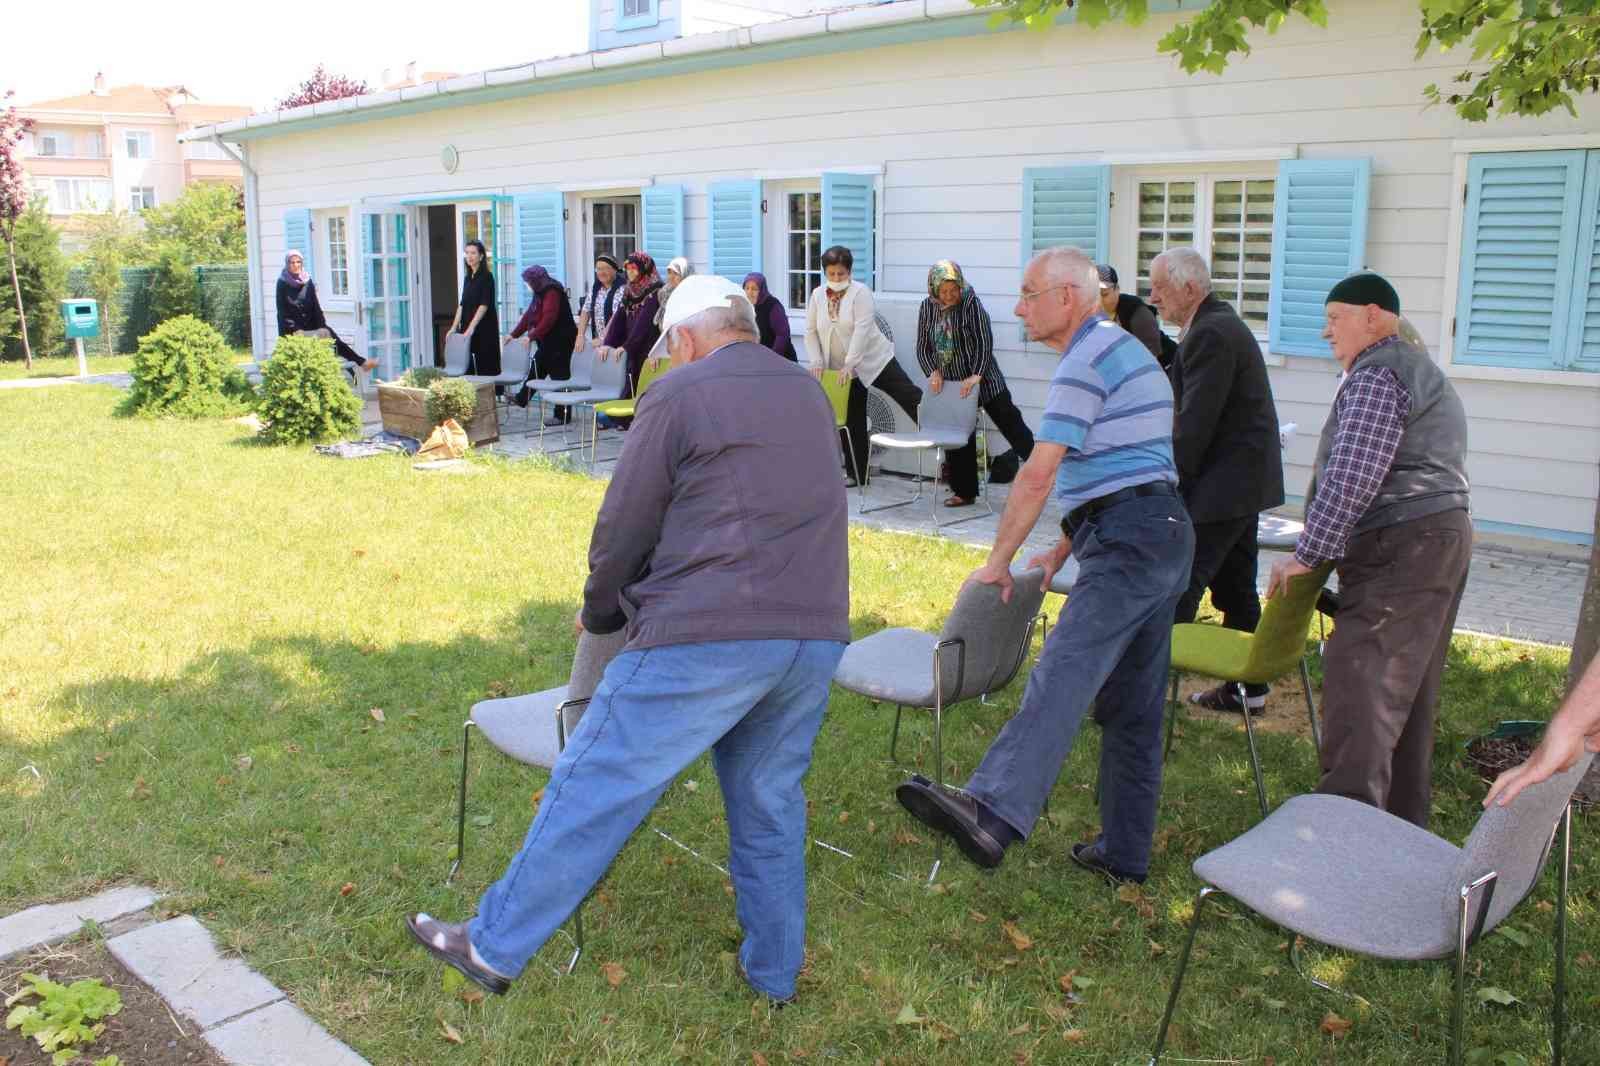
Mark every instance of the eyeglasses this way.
pixel 1026 295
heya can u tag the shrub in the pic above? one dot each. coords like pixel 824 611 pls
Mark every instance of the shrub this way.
pixel 304 396
pixel 184 368
pixel 451 398
pixel 420 377
pixel 173 290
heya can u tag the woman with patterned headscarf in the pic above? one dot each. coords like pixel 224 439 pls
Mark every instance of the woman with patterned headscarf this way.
pixel 955 348
pixel 633 332
pixel 771 317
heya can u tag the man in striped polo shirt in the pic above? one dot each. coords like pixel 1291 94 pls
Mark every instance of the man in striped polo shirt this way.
pixel 1105 445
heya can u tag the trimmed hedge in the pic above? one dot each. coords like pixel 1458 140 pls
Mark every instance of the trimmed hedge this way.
pixel 304 396
pixel 184 368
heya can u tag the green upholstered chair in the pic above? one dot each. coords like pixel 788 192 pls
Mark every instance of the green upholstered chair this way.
pixel 1259 658
pixel 839 396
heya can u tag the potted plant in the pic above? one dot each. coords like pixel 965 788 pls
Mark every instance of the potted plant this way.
pixel 407 406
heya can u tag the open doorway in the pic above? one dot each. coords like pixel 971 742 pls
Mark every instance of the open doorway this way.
pixel 443 273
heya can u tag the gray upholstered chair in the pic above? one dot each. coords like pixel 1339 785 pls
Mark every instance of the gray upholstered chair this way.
pixel 457 353
pixel 516 358
pixel 983 644
pixel 533 730
pixel 945 421
pixel 1359 879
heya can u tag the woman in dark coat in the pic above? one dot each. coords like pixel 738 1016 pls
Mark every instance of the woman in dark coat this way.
pixel 548 323
pixel 955 348
pixel 299 311
pixel 476 314
pixel 771 318
pixel 632 332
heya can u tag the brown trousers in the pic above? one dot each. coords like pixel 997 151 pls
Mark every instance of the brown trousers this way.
pixel 1399 588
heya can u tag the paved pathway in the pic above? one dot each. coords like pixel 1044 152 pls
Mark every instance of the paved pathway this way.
pixel 121 381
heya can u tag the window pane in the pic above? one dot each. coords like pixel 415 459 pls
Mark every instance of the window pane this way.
pixel 627 218
pixel 399 283
pixel 1253 306
pixel 1259 197
pixel 797 251
pixel 1225 253
pixel 400 320
pixel 1258 256
pixel 1227 208
pixel 625 245
pixel 602 218
pixel 399 243
pixel 814 250
pixel 1180 204
pixel 814 209
pixel 374 278
pixel 1152 203
pixel 797 211
pixel 797 291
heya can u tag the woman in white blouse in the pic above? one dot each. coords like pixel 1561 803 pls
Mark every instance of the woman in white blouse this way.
pixel 842 337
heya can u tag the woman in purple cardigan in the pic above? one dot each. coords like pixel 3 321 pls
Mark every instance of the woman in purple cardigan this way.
pixel 632 331
pixel 771 317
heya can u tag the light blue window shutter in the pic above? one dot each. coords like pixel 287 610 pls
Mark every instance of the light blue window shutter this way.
pixel 1583 335
pixel 849 217
pixel 1319 236
pixel 297 236
pixel 541 238
pixel 735 229
pixel 663 223
pixel 1519 243
pixel 1066 206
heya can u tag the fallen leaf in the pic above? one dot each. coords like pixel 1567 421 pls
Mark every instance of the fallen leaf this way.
pixel 872 827
pixel 1497 995
pixel 448 1031
pixel 1066 979
pixel 1075 1036
pixel 978 916
pixel 1056 1012
pixel 908 1016
pixel 757 1059
pixel 1019 940
pixel 1156 949
pixel 99 760
pixel 1020 1030
pixel 537 797
pixel 906 836
pixel 292 748
pixel 691 786
pixel 358 552
pixel 614 974
pixel 1585 960
pixel 244 762
pixel 347 888
pixel 942 1031
pixel 844 816
pixel 471 995
pixel 1545 905
pixel 140 789
pixel 483 821
pixel 1333 1025
pixel 377 716
pixel 1273 1004
pixel 496 689
pixel 1128 893
pixel 1515 935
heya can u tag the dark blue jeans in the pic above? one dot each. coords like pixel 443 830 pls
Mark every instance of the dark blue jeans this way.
pixel 1112 649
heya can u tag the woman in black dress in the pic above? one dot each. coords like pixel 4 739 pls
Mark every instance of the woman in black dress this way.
pixel 299 310
pixel 476 315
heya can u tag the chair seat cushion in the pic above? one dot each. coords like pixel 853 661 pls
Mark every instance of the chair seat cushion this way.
pixel 615 408
pixel 893 665
pixel 557 385
pixel 583 396
pixel 1065 577
pixel 919 440
pixel 1212 651
pixel 524 727
pixel 1276 533
pixel 1343 873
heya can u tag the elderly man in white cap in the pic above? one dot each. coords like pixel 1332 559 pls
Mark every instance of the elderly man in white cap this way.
pixel 720 548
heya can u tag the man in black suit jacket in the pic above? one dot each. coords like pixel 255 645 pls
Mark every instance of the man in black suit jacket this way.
pixel 1225 440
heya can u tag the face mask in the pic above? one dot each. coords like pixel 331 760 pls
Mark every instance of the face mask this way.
pixel 839 286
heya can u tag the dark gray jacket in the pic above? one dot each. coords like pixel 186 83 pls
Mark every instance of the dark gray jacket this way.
pixel 725 518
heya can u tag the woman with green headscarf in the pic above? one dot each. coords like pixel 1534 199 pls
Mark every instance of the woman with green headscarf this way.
pixel 955 348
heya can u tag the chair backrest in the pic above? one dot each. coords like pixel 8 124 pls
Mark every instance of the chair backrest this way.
pixel 995 634
pixel 516 357
pixel 456 351
pixel 947 411
pixel 838 393
pixel 652 369
pixel 589 663
pixel 1280 639
pixel 610 375
pixel 1512 841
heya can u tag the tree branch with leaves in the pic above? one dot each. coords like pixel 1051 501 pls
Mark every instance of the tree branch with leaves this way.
pixel 13 202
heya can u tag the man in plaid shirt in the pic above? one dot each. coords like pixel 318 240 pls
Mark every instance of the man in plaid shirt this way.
pixel 1387 504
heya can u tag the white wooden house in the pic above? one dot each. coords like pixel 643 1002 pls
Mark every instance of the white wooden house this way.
pixel 752 135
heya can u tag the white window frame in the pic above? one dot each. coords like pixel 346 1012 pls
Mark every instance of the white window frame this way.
pixel 81 192
pixel 1125 181
pixel 145 141
pixel 1464 150
pixel 775 259
pixel 141 198
pixel 591 235
pixel 97 145
pixel 54 140
pixel 339 296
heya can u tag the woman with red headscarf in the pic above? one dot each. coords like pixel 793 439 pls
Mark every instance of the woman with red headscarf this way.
pixel 632 331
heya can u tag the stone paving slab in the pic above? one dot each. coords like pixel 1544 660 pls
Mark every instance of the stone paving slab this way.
pixel 280 1035
pixel 40 925
pixel 180 961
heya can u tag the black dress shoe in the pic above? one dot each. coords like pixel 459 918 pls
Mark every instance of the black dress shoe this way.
pixel 953 813
pixel 1085 856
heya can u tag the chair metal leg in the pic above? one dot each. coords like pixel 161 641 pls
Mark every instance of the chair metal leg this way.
pixel 577 938
pixel 894 737
pixel 1560 1036
pixel 461 805
pixel 1255 759
pixel 1311 707
pixel 1172 716
pixel 960 647
pixel 1466 932
pixel 1177 980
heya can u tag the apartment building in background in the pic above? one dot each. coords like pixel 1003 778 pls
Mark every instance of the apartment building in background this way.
pixel 118 148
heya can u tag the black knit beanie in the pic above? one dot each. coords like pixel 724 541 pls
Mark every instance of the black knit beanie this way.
pixel 1363 289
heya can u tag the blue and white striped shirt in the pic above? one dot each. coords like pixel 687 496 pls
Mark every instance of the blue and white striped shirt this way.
pixel 1110 406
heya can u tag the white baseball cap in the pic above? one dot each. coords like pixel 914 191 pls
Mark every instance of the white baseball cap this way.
pixel 695 293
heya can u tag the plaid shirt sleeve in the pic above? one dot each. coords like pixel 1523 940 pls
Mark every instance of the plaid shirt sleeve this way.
pixel 1372 409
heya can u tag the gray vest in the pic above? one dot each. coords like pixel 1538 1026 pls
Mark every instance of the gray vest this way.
pixel 1428 475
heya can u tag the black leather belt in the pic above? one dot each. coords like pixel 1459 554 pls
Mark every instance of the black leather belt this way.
pixel 1083 512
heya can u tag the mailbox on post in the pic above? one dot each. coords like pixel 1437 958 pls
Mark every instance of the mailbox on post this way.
pixel 82 318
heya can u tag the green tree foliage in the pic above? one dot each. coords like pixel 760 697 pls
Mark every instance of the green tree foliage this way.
pixel 42 277
pixel 110 244
pixel 205 226
pixel 184 368
pixel 304 396
pixel 1528 56
pixel 173 289
pixel 13 201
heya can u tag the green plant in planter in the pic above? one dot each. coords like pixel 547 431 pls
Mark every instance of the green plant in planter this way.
pixel 67 1018
pixel 420 377
pixel 184 368
pixel 451 398
pixel 304 396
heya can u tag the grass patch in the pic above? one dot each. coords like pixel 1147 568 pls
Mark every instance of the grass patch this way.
pixel 66 366
pixel 198 629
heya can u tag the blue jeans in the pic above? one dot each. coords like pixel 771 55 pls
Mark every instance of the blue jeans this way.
pixel 758 704
pixel 1111 649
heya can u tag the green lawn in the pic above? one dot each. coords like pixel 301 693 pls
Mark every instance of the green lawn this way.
pixel 197 629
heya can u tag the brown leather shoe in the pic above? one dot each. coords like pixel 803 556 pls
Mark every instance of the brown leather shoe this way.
pixel 954 813
pixel 448 943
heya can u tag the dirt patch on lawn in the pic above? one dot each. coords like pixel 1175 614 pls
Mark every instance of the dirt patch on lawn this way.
pixel 1286 706
pixel 143 1033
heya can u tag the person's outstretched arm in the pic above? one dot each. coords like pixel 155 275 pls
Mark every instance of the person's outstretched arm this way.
pixel 1576 726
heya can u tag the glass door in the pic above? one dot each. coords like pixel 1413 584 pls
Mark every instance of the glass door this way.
pixel 386 290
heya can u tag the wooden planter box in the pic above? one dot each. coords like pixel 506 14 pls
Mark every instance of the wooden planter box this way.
pixel 405 412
